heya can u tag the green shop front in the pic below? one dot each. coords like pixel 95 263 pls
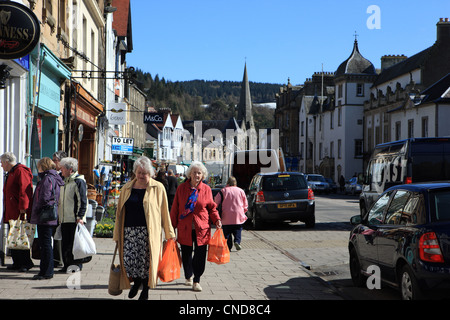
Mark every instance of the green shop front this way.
pixel 47 75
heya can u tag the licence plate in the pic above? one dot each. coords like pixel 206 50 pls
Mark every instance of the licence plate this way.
pixel 287 205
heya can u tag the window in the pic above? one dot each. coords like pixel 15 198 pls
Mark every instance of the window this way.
pixel 395 211
pixel 302 128
pixel 440 204
pixel 411 128
pixel 358 148
pixel 375 216
pixel 398 130
pixel 425 127
pixel 339 148
pixel 360 90
pixel 284 182
pixel 339 117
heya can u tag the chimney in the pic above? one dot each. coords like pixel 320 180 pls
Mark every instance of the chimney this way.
pixel 389 60
pixel 443 30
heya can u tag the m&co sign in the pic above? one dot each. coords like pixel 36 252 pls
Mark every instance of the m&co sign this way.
pixel 19 30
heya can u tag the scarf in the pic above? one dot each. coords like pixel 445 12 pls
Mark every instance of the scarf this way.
pixel 190 203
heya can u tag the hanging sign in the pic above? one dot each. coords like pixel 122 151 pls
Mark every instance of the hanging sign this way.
pixel 19 30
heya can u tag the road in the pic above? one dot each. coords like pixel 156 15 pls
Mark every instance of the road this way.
pixel 323 250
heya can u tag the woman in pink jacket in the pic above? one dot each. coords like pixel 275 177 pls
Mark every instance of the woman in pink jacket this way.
pixel 234 207
pixel 192 210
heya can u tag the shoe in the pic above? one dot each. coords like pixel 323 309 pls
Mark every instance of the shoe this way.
pixel 144 294
pixel 39 277
pixel 134 289
pixel 197 287
pixel 237 246
pixel 26 268
pixel 12 267
pixel 188 282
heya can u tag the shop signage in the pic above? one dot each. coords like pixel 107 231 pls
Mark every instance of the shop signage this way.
pixel 19 30
pixel 122 145
pixel 153 117
pixel 117 113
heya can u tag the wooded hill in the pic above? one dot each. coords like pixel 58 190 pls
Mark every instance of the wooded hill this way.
pixel 188 98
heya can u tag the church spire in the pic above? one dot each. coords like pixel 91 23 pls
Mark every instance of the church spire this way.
pixel 245 108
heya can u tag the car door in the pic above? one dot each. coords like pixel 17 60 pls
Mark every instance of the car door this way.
pixel 367 234
pixel 390 234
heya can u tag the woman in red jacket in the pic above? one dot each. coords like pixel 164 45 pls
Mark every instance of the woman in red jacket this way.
pixel 17 196
pixel 192 210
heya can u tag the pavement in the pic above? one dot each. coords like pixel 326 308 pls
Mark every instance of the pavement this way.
pixel 257 272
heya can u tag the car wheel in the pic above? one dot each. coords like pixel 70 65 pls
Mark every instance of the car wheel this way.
pixel 310 222
pixel 257 222
pixel 358 278
pixel 409 287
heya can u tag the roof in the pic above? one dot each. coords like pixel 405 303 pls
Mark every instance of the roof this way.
pixel 437 91
pixel 355 64
pixel 122 21
pixel 401 68
pixel 424 186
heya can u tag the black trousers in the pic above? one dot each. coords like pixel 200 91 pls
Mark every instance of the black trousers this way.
pixel 68 235
pixel 193 265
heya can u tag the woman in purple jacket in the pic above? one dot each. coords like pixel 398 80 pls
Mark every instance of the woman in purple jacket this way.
pixel 47 190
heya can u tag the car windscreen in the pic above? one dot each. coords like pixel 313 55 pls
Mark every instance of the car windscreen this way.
pixel 316 178
pixel 283 182
pixel 440 203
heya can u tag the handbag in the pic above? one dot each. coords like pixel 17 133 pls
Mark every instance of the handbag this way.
pixel 170 264
pixel 218 251
pixel 50 212
pixel 83 244
pixel 219 207
pixel 21 234
pixel 114 277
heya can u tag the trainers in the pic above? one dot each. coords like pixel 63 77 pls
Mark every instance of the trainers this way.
pixel 196 287
pixel 188 282
pixel 237 246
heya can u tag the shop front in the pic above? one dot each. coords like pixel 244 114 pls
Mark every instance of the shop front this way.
pixel 48 74
pixel 84 111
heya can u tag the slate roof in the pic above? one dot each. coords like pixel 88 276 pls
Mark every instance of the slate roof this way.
pixel 439 91
pixel 401 68
pixel 355 64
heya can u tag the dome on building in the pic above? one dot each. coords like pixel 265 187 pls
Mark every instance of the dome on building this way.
pixel 356 64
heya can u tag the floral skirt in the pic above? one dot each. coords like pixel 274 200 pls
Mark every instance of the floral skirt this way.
pixel 136 253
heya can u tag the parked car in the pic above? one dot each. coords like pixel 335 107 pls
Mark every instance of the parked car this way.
pixel 332 184
pixel 406 233
pixel 352 186
pixel 280 196
pixel 317 183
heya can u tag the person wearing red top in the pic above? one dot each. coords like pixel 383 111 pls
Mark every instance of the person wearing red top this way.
pixel 17 197
pixel 192 210
pixel 234 206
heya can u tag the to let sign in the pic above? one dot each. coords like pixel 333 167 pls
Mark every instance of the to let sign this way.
pixel 19 30
pixel 122 145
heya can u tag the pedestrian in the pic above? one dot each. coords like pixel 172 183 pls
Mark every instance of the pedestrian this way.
pixel 57 156
pixel 72 209
pixel 57 251
pixel 45 194
pixel 161 177
pixel 173 185
pixel 17 197
pixel 192 210
pixel 234 206
pixel 142 214
pixel 342 183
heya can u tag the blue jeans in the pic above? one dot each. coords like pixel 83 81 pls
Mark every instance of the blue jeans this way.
pixel 45 243
pixel 232 229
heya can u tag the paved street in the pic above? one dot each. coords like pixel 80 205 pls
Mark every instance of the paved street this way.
pixel 257 272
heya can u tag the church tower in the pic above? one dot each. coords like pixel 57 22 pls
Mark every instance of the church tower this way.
pixel 245 108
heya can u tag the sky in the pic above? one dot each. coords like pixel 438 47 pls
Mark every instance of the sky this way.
pixel 183 40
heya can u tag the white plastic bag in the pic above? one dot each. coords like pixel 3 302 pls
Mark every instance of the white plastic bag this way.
pixel 83 244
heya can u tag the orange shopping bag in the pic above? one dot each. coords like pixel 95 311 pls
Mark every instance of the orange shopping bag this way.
pixel 218 251
pixel 170 264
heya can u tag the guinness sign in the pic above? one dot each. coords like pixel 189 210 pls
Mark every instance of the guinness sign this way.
pixel 19 30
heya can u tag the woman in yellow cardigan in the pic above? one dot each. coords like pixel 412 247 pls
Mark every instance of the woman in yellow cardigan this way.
pixel 142 214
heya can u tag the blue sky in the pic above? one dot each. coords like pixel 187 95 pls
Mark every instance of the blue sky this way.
pixel 213 39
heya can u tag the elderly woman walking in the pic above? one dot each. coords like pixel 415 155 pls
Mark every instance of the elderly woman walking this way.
pixel 192 209
pixel 142 214
pixel 71 209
